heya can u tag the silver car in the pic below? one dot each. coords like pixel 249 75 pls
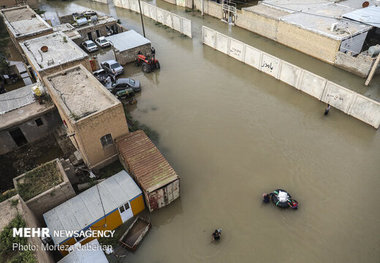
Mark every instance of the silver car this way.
pixel 102 42
pixel 113 67
pixel 90 46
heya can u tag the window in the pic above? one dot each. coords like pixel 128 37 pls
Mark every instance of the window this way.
pixel 106 140
pixel 121 209
pixel 39 122
pixel 126 206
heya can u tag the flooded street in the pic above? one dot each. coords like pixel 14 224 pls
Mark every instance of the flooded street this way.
pixel 232 133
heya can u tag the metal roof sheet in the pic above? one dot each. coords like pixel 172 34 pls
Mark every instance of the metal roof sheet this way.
pixel 91 252
pixel 145 161
pixel 127 40
pixel 16 99
pixel 84 209
pixel 369 15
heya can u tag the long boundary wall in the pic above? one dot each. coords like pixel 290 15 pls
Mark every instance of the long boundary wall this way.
pixel 349 102
pixel 160 15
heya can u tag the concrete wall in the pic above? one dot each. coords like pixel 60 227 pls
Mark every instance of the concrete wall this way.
pixel 349 102
pixel 31 131
pixel 50 198
pixel 209 7
pixel 160 15
pixel 359 65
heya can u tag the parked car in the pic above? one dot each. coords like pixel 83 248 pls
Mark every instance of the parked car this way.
pixel 104 77
pixel 90 46
pixel 126 83
pixel 102 42
pixel 112 66
pixel 122 92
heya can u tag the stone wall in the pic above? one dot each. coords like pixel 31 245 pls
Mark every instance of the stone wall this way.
pixel 130 55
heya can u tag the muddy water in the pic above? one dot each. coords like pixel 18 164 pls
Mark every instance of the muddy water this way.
pixel 233 133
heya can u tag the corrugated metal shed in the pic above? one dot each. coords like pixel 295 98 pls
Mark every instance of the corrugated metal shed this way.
pixel 145 161
pixel 127 40
pixel 369 15
pixel 84 209
pixel 16 99
pixel 91 252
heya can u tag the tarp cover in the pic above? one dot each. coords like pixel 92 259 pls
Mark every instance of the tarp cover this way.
pixel 282 196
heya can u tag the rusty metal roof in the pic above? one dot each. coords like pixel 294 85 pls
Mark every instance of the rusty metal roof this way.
pixel 145 161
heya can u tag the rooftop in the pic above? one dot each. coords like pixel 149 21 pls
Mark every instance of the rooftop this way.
pixel 59 46
pixel 84 209
pixel 19 105
pixel 38 180
pixel 79 93
pixel 127 40
pixel 23 21
pixel 314 16
pixel 145 161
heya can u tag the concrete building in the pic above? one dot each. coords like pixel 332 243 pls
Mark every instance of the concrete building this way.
pixel 52 53
pixel 102 207
pixel 24 120
pixel 12 3
pixel 23 23
pixel 126 46
pixel 70 32
pixel 92 115
pixel 44 187
pixel 98 26
pixel 157 179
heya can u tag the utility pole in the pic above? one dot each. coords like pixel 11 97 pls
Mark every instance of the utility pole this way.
pixel 142 20
pixel 374 67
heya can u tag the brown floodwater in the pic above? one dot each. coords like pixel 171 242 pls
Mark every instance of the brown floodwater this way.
pixel 232 133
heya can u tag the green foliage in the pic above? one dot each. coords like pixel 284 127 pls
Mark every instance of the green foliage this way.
pixel 14 202
pixel 7 239
pixel 7 194
pixel 24 257
pixel 39 180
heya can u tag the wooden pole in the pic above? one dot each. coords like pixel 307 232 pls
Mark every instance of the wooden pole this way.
pixel 372 72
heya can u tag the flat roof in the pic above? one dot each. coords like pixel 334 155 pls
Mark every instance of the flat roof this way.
pixel 84 209
pixel 79 93
pixel 145 161
pixel 61 50
pixel 127 40
pixel 18 106
pixel 90 252
pixel 317 17
pixel 23 21
pixel 369 15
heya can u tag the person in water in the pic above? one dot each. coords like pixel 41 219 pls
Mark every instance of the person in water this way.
pixel 327 109
pixel 266 198
pixel 217 233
